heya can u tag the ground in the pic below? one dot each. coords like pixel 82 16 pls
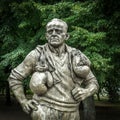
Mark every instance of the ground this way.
pixel 104 111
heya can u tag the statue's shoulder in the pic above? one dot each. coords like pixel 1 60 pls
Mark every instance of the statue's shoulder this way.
pixel 70 49
pixel 73 50
pixel 77 53
pixel 35 53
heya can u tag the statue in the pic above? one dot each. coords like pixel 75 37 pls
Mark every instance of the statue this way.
pixel 60 77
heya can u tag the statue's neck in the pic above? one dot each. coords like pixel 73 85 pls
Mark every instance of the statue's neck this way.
pixel 57 50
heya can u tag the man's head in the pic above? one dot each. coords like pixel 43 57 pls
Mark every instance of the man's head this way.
pixel 56 32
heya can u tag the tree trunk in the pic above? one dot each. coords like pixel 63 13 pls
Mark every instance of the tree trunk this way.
pixel 98 96
pixel 8 98
pixel 89 112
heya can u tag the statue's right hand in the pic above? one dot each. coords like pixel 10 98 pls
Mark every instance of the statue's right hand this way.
pixel 29 105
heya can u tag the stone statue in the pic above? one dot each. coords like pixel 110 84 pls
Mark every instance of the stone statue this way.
pixel 60 77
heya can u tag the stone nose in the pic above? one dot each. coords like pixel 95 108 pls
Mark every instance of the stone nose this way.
pixel 54 32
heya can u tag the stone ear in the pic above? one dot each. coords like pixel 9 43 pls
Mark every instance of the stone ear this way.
pixel 67 36
pixel 46 36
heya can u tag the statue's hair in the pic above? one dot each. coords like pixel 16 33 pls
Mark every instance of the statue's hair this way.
pixel 57 20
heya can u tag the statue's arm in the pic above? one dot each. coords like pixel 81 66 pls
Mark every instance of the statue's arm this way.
pixel 90 83
pixel 90 87
pixel 18 74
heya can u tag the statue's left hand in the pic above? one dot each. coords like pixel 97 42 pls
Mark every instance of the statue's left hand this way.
pixel 80 94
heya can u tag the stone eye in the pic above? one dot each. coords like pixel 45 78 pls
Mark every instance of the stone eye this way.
pixel 50 31
pixel 58 31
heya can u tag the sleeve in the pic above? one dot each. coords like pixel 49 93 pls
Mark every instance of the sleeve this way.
pixel 22 70
pixel 90 79
pixel 91 83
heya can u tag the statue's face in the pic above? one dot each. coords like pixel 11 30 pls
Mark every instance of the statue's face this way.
pixel 56 34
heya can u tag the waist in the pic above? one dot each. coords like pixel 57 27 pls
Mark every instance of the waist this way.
pixel 58 105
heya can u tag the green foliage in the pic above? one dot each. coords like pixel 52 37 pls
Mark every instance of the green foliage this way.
pixel 91 29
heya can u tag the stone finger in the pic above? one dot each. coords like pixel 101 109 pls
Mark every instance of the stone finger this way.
pixel 78 98
pixel 27 107
pixel 31 106
pixel 74 91
pixel 34 102
pixel 78 94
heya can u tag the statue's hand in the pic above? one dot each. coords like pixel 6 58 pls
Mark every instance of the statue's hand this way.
pixel 29 105
pixel 80 94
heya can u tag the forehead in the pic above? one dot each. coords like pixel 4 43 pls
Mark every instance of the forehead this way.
pixel 56 24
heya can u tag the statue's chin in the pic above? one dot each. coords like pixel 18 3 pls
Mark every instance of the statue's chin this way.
pixel 55 44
